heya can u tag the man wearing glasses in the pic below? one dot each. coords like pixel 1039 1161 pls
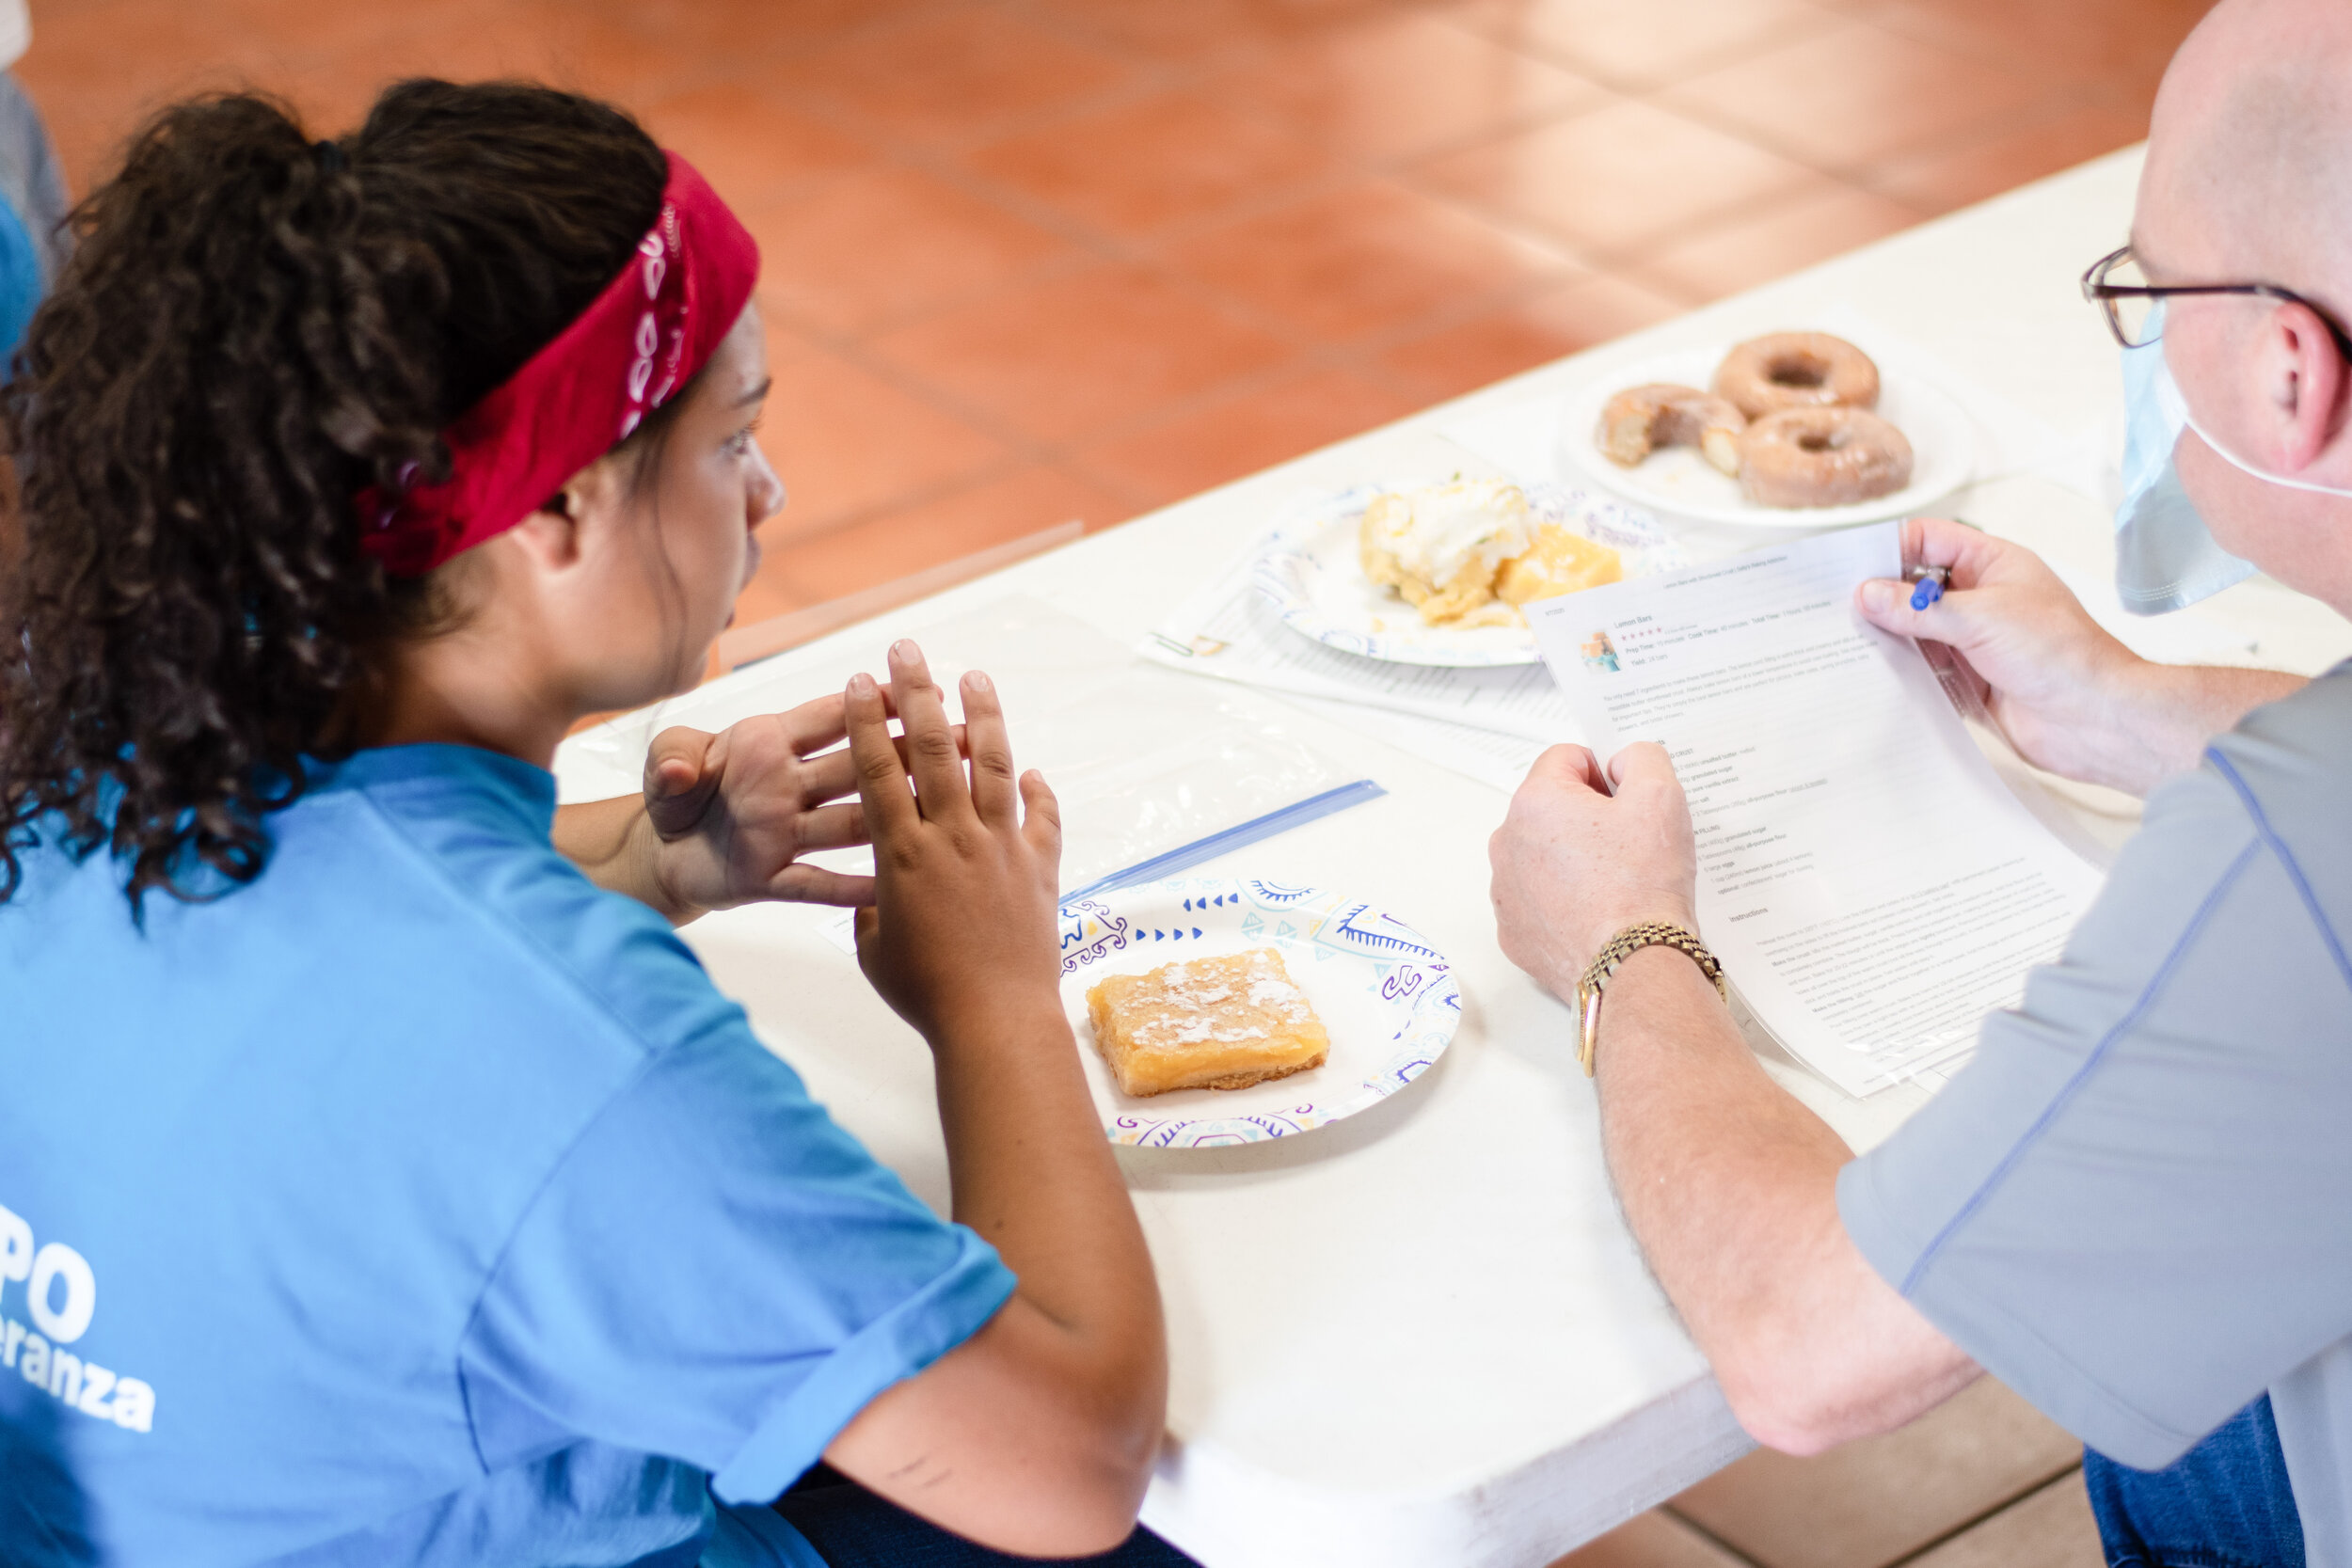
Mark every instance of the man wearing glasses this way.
pixel 2135 1206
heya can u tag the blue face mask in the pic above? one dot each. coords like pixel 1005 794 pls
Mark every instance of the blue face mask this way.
pixel 2164 556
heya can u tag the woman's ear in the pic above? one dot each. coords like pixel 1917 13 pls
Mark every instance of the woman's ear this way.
pixel 548 538
pixel 555 535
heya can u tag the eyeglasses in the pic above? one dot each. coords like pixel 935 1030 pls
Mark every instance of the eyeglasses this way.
pixel 2129 302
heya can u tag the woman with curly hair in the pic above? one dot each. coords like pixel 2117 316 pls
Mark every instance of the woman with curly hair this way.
pixel 444 1212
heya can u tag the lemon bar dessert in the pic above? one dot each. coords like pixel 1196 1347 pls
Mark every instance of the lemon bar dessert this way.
pixel 1222 1022
pixel 1559 563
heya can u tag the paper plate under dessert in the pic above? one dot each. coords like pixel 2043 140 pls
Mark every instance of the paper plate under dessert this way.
pixel 1384 997
pixel 1310 568
pixel 1681 481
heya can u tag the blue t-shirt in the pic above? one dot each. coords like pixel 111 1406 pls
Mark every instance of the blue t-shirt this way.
pixel 420 1203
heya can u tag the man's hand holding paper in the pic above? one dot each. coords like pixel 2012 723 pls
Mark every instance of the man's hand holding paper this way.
pixel 1869 882
pixel 1576 862
pixel 1583 855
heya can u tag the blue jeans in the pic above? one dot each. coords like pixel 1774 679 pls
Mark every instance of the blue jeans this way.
pixel 2224 1504
pixel 851 1527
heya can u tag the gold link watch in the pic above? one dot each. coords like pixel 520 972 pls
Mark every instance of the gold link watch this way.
pixel 1651 933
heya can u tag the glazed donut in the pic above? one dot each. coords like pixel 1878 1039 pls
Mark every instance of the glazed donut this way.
pixel 1797 370
pixel 1822 457
pixel 1640 420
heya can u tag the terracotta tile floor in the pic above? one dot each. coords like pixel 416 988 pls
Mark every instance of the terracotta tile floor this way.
pixel 1031 260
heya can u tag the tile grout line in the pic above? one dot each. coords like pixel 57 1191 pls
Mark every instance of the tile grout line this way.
pixel 1957 1530
pixel 1708 1536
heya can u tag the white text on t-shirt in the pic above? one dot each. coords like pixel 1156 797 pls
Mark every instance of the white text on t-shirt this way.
pixel 62 1297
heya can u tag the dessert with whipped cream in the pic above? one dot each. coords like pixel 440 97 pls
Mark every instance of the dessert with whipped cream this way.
pixel 1468 552
pixel 1440 545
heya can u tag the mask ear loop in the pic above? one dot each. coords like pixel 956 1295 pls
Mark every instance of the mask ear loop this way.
pixel 2235 461
pixel 2169 390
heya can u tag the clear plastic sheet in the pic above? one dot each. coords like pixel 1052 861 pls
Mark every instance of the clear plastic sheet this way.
pixel 1141 759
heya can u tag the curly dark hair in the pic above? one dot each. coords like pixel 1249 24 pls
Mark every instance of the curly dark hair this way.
pixel 251 330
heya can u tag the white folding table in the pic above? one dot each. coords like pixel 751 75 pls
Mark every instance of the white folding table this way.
pixel 1424 1336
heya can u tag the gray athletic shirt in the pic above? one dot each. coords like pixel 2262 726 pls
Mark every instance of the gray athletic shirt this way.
pixel 2134 1206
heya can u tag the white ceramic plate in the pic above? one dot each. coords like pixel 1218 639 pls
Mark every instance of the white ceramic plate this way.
pixel 1387 997
pixel 1309 568
pixel 1679 481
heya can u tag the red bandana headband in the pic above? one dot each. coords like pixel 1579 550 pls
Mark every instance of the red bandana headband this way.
pixel 642 338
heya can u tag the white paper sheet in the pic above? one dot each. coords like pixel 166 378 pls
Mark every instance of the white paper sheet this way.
pixel 1870 885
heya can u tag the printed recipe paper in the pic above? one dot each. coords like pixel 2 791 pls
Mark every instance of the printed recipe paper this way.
pixel 1872 888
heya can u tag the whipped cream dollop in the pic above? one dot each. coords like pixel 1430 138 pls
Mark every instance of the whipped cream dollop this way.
pixel 1438 529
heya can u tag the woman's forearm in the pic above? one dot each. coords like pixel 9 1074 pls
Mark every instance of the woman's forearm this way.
pixel 1032 1173
pixel 1037 1433
pixel 611 842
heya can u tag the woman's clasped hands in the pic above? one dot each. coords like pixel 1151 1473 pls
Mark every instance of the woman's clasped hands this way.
pixel 728 818
pixel 962 921
pixel 729 815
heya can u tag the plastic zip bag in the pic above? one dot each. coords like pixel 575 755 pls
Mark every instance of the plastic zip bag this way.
pixel 1141 759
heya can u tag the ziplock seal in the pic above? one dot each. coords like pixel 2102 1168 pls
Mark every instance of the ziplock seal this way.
pixel 1185 856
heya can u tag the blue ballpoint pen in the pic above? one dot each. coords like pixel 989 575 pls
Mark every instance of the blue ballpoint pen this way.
pixel 1957 686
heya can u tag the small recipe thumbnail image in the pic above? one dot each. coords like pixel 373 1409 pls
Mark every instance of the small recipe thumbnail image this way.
pixel 1601 653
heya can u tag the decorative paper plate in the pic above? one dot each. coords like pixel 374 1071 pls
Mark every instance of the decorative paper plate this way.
pixel 1679 481
pixel 1387 997
pixel 1308 567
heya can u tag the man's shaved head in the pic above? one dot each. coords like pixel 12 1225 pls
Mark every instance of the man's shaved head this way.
pixel 2250 167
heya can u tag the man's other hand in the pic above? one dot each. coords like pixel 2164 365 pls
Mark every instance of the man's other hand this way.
pixel 1574 864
